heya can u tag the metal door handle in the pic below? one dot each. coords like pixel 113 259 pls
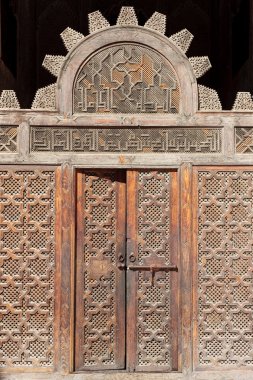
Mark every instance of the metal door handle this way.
pixel 153 268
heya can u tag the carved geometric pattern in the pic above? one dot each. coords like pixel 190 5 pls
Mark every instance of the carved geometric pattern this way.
pixel 243 102
pixel 53 64
pixel 8 139
pixel 45 98
pixel 200 65
pixel 27 267
pixel 97 21
pixel 244 140
pixel 153 315
pixel 157 22
pixel 208 99
pixel 145 140
pixel 71 38
pixel 99 288
pixel 127 17
pixel 182 40
pixel 225 262
pixel 8 99
pixel 126 79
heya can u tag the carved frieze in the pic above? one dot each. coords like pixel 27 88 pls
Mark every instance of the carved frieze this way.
pixel 141 140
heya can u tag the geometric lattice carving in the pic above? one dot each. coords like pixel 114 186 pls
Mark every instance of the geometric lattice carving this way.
pixel 200 65
pixel 45 98
pixel 243 102
pixel 8 139
pixel 71 38
pixel 127 17
pixel 170 140
pixel 244 140
pixel 99 275
pixel 157 22
pixel 53 64
pixel 182 40
pixel 27 267
pixel 97 21
pixel 126 79
pixel 225 262
pixel 8 99
pixel 208 99
pixel 153 313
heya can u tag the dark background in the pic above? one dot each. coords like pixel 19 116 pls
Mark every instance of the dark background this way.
pixel 222 29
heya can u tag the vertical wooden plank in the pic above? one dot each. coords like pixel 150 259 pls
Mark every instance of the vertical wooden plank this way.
pixel 195 265
pixel 174 283
pixel 79 332
pixel 57 321
pixel 120 354
pixel 66 265
pixel 131 275
pixel 186 265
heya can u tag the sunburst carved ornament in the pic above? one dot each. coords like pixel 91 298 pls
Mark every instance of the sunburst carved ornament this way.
pixel 46 98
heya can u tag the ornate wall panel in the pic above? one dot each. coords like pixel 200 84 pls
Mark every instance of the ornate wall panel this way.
pixel 225 266
pixel 8 139
pixel 151 263
pixel 100 287
pixel 126 78
pixel 244 140
pixel 27 254
pixel 141 140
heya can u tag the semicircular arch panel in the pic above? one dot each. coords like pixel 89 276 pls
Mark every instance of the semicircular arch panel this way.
pixel 126 78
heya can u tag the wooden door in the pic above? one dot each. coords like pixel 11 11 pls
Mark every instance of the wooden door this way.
pixel 144 272
pixel 152 275
pixel 100 290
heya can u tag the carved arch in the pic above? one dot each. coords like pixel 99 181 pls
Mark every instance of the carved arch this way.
pixel 155 73
pixel 159 47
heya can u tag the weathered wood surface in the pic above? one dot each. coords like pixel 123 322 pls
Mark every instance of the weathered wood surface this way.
pixel 100 271
pixel 226 375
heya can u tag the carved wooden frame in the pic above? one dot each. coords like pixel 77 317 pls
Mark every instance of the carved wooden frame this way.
pixel 138 35
pixel 188 117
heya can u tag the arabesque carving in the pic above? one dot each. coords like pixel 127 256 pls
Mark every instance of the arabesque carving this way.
pixel 53 64
pixel 200 65
pixel 70 38
pixel 157 22
pixel 8 99
pixel 243 102
pixel 127 17
pixel 45 98
pixel 27 267
pixel 153 292
pixel 225 305
pixel 126 79
pixel 244 140
pixel 182 40
pixel 8 139
pixel 97 21
pixel 208 99
pixel 141 140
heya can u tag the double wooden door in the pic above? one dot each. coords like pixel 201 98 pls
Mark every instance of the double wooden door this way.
pixel 127 314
